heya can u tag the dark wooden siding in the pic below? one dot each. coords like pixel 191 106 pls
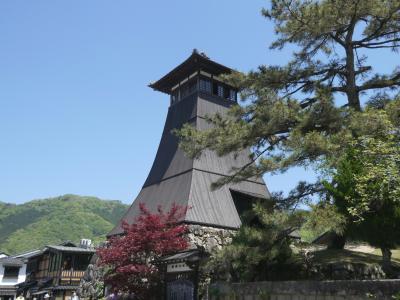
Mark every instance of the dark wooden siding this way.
pixel 176 178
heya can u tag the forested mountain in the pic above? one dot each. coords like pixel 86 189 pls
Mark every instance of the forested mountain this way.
pixel 48 221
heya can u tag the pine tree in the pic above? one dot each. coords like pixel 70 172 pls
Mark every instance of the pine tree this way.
pixel 365 187
pixel 330 28
pixel 260 250
pixel 291 115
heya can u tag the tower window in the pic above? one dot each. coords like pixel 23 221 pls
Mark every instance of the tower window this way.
pixel 215 88
pixel 188 88
pixel 205 85
pixel 220 91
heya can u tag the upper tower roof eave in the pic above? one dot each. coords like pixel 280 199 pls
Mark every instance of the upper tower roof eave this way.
pixel 196 61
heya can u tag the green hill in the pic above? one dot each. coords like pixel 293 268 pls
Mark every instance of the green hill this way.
pixel 47 221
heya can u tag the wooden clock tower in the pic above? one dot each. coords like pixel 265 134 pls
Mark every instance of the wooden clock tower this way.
pixel 196 91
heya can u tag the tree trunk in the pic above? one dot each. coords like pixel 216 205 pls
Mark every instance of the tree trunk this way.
pixel 386 257
pixel 351 86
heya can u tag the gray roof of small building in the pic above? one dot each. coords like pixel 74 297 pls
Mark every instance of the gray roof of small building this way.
pixel 181 256
pixel 295 234
pixel 11 261
pixel 29 254
pixel 70 249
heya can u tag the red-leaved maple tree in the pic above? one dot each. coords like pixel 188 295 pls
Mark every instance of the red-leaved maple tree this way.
pixel 129 259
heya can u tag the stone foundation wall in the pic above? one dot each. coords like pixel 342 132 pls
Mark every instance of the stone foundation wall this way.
pixel 307 290
pixel 209 238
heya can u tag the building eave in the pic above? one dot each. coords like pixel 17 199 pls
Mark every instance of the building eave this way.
pixel 70 249
pixel 196 62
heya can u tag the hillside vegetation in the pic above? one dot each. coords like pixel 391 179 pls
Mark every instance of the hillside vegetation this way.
pixel 48 221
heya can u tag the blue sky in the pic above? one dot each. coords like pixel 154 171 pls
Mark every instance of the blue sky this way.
pixel 76 115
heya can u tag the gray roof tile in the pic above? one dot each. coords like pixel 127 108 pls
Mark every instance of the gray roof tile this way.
pixel 11 261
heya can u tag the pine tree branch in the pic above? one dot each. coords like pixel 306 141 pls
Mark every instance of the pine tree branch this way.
pixel 363 69
pixel 338 89
pixel 308 101
pixel 305 76
pixel 302 191
pixel 295 90
pixel 336 38
pixel 382 47
pixel 380 83
pixel 370 45
pixel 273 141
pixel 377 37
pixel 378 30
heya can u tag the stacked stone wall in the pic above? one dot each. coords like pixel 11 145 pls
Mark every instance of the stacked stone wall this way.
pixel 209 238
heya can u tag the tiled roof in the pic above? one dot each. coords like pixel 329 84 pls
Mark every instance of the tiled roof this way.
pixel 71 249
pixel 29 254
pixel 11 261
pixel 182 256
pixel 196 61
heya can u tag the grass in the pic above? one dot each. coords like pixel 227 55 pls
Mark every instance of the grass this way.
pixel 331 256
pixel 395 254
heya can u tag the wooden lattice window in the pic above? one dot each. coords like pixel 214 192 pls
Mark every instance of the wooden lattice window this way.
pixel 205 85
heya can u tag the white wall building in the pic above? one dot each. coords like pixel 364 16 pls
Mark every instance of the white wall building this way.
pixel 12 272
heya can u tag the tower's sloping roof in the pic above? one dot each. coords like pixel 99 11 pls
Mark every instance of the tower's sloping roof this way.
pixel 176 178
pixel 173 190
pixel 216 207
pixel 170 160
pixel 192 189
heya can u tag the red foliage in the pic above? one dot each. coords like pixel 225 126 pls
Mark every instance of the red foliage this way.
pixel 128 258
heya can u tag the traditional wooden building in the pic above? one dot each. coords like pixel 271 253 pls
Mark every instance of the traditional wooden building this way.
pixel 195 91
pixel 56 270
